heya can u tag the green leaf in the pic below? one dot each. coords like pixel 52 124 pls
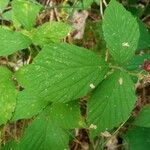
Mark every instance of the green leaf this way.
pixel 26 12
pixel 98 2
pixel 143 119
pixel 136 62
pixel 144 41
pixel 111 103
pixel 9 16
pixel 48 130
pixel 137 138
pixel 66 115
pixel 7 95
pixel 28 105
pixel 50 32
pixel 121 32
pixel 132 2
pixel 60 73
pixel 86 4
pixel 65 72
pixel 11 42
pixel 3 4
pixel 11 145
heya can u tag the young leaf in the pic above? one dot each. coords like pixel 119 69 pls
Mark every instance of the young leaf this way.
pixel 137 138
pixel 11 42
pixel 143 119
pixel 3 4
pixel 48 130
pixel 111 103
pixel 60 73
pixel 7 95
pixel 26 12
pixel 50 32
pixel 121 32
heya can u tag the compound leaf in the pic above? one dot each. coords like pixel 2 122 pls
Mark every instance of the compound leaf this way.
pixel 143 119
pixel 7 96
pixel 26 12
pixel 11 41
pixel 111 103
pixel 121 32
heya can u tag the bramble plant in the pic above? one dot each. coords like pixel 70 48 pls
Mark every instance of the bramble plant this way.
pixel 47 89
